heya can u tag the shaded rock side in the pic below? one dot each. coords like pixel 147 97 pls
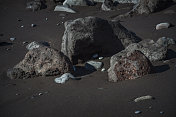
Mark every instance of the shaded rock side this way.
pixel 131 65
pixel 43 61
pixel 84 37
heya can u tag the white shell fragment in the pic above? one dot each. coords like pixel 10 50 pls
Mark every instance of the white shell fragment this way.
pixel 64 78
pixel 93 65
pixel 162 26
pixel 33 25
pixel 63 8
pixel 148 97
pixel 103 69
pixel 12 39
pixel 100 58
pixel 137 112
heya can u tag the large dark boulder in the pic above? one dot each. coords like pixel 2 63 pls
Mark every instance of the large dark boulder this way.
pixel 84 37
pixel 42 61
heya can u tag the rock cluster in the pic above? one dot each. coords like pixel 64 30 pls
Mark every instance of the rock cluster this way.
pixel 84 37
pixel 42 61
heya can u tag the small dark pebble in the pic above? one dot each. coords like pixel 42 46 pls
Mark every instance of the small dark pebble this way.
pixel 19 20
pixel 1 35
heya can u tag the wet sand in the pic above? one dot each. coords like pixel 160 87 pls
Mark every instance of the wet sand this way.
pixel 93 96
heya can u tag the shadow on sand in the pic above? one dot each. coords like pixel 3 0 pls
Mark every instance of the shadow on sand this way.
pixel 160 68
pixel 81 71
pixel 5 44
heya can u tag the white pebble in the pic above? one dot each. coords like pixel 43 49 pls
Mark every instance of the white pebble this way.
pixel 162 26
pixel 40 94
pixel 46 19
pixel 137 112
pixel 64 78
pixel 12 39
pixel 161 112
pixel 100 58
pixel 22 26
pixel 148 97
pixel 33 25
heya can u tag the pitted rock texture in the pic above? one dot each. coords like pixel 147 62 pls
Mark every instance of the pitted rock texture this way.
pixel 131 65
pixel 43 61
pixel 107 5
pixel 84 37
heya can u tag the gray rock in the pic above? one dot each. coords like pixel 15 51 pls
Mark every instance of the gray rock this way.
pixel 128 65
pixel 93 65
pixel 107 5
pixel 63 8
pixel 35 5
pixel 137 112
pixel 35 44
pixel 146 7
pixel 164 41
pixel 150 6
pixel 142 98
pixel 153 51
pixel 85 36
pixel 12 39
pixel 128 1
pixel 78 3
pixel 43 61
pixel 64 78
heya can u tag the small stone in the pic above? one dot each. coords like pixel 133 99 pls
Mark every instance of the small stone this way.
pixel 17 94
pixel 25 42
pixel 8 49
pixel 95 56
pixel 103 69
pixel 12 39
pixel 46 19
pixel 148 97
pixel 150 107
pixel 64 78
pixel 92 65
pixel 100 88
pixel 19 20
pixel 22 26
pixel 161 112
pixel 1 35
pixel 166 61
pixel 33 25
pixel 162 26
pixel 40 94
pixel 62 22
pixel 137 112
pixel 100 58
pixel 58 24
